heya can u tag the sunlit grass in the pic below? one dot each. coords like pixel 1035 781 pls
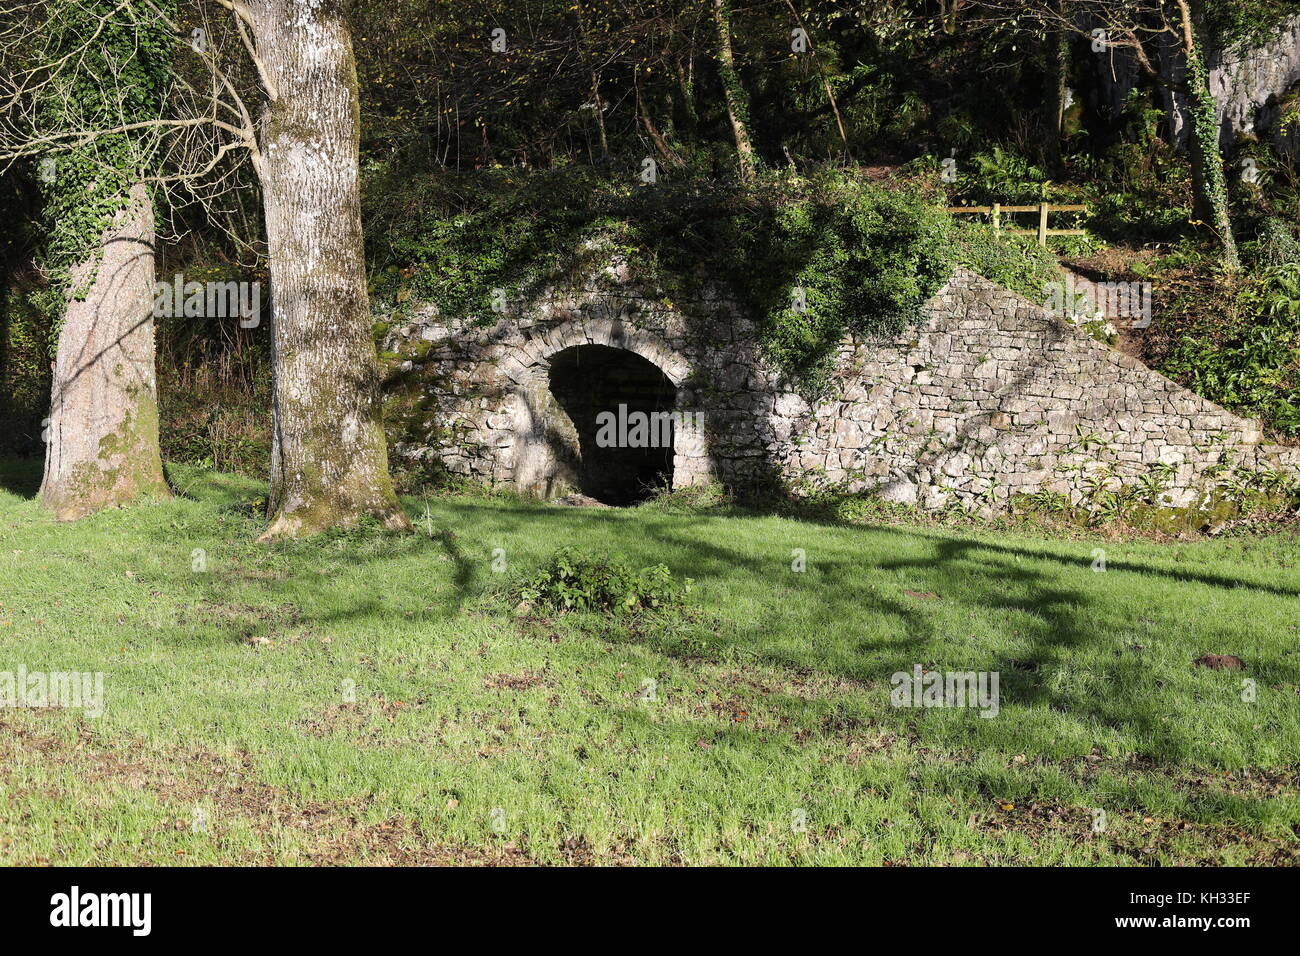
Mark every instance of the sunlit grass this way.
pixel 369 697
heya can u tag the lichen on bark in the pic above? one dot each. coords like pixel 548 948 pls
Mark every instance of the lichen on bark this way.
pixel 329 463
pixel 103 427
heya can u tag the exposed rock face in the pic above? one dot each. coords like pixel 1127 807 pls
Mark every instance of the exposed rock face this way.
pixel 1247 83
pixel 989 397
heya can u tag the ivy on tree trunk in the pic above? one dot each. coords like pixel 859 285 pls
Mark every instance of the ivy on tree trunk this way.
pixel 102 431
pixel 1209 182
pixel 733 91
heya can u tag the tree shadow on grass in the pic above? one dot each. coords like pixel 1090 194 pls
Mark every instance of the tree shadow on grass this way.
pixel 1070 669
pixel 369 553
pixel 21 476
pixel 1061 644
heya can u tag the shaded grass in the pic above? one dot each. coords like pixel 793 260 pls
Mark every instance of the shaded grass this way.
pixel 376 701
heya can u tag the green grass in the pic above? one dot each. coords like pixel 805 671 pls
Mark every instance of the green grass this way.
pixel 230 735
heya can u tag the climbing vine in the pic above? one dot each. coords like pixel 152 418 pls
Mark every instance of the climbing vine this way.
pixel 122 77
pixel 1205 134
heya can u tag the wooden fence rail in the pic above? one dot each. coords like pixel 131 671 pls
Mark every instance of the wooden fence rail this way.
pixel 1043 209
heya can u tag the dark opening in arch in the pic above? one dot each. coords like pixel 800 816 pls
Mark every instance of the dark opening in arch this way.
pixel 621 407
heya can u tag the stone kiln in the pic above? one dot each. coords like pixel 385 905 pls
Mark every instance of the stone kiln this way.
pixel 988 397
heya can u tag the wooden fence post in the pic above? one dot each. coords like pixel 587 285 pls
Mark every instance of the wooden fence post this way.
pixel 1044 210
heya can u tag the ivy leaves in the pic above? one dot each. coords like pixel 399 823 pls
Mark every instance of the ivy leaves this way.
pixel 120 77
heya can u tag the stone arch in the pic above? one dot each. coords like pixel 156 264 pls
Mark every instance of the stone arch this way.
pixel 546 445
pixel 538 349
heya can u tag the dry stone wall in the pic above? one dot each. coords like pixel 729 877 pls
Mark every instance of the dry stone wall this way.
pixel 988 397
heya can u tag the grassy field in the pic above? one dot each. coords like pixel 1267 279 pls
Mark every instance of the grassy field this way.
pixel 372 698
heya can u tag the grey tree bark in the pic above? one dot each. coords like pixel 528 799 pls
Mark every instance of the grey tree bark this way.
pixel 102 436
pixel 1056 57
pixel 329 464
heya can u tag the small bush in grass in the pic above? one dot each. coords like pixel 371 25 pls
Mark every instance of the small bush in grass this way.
pixel 692 499
pixel 574 580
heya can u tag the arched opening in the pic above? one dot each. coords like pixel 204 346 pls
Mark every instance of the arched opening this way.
pixel 621 407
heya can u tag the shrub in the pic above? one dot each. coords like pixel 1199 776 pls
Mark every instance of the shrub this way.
pixel 212 420
pixel 1014 262
pixel 27 314
pixel 1001 176
pixel 574 580
pixel 1249 360
pixel 1274 246
pixel 456 239
pixel 841 257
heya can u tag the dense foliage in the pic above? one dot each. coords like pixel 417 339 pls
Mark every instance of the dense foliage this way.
pixel 813 258
pixel 125 80
pixel 1250 358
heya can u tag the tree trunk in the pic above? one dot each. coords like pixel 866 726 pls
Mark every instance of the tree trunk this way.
pixel 666 153
pixel 826 83
pixel 599 105
pixel 597 102
pixel 329 458
pixel 736 98
pixel 686 83
pixel 1056 65
pixel 1208 180
pixel 102 436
